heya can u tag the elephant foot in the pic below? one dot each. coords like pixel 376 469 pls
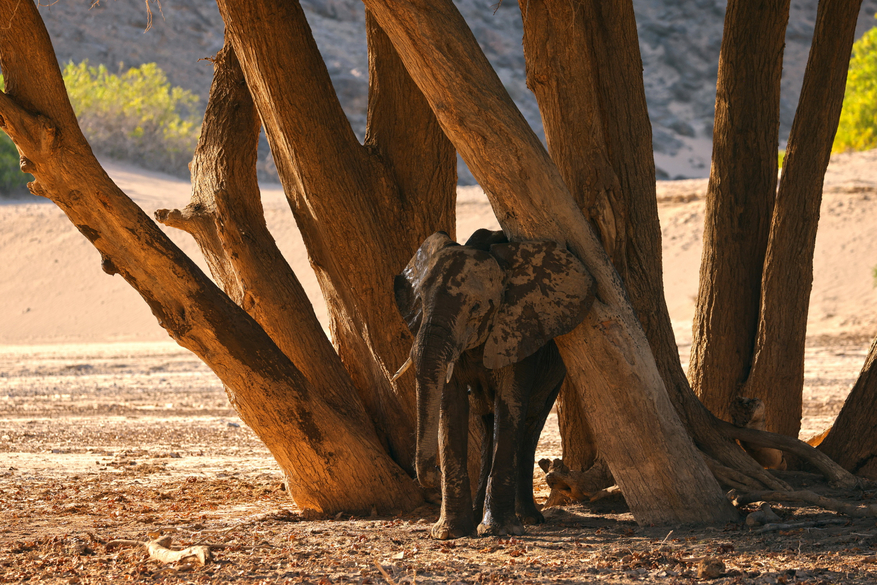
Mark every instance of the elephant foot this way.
pixel 447 530
pixel 509 527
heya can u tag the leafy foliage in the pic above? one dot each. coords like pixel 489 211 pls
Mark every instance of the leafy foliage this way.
pixel 12 180
pixel 858 120
pixel 135 115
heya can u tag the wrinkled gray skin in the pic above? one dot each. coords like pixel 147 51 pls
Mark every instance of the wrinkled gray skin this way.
pixel 488 311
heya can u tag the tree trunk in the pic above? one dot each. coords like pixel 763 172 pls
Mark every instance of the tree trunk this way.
pixel 740 198
pixel 559 56
pixel 345 195
pixel 649 453
pixel 330 455
pixel 777 375
pixel 852 441
pixel 226 219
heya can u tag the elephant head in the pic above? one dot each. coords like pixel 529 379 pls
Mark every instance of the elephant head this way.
pixel 510 297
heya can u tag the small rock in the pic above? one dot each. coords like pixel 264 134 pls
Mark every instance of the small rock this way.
pixel 763 515
pixel 710 568
pixel 233 425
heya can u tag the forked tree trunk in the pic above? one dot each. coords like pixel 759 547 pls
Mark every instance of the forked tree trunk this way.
pixel 740 198
pixel 852 441
pixel 664 478
pixel 345 195
pixel 323 449
pixel 777 375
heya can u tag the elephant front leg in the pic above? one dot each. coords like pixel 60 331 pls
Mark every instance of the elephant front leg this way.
pixel 456 518
pixel 509 411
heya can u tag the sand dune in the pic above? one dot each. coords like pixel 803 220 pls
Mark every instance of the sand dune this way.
pixel 53 290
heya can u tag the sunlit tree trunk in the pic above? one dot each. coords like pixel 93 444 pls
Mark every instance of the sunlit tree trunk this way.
pixel 326 447
pixel 591 58
pixel 345 195
pixel 740 200
pixel 777 375
pixel 852 441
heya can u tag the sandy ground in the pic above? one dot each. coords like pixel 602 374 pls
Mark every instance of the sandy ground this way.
pixel 108 430
pixel 100 442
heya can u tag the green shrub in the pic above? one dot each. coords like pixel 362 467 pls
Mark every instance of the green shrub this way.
pixel 12 180
pixel 858 120
pixel 780 158
pixel 136 115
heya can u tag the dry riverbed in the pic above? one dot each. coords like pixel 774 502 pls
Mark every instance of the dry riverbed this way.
pixel 131 441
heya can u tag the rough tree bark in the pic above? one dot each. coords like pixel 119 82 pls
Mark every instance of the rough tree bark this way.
pixel 650 455
pixel 739 201
pixel 344 195
pixel 559 57
pixel 323 449
pixel 852 441
pixel 226 219
pixel 777 375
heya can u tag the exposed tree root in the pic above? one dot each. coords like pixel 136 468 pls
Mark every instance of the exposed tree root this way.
pixel 569 484
pixel 733 478
pixel 808 497
pixel 159 550
pixel 834 473
pixel 815 524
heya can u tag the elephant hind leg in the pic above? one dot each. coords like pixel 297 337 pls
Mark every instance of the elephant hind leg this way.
pixel 510 409
pixel 525 504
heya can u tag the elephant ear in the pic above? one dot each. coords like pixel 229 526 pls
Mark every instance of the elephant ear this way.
pixel 548 292
pixel 408 285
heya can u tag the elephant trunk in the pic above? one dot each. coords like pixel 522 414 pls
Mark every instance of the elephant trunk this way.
pixel 434 353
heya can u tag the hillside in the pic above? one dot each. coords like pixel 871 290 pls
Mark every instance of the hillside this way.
pixel 679 39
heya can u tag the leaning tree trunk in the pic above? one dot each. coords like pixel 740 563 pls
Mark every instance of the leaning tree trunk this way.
pixel 559 57
pixel 852 441
pixel 739 201
pixel 346 196
pixel 664 478
pixel 591 64
pixel 777 375
pixel 324 441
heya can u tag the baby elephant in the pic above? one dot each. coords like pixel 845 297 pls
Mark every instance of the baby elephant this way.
pixel 484 316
